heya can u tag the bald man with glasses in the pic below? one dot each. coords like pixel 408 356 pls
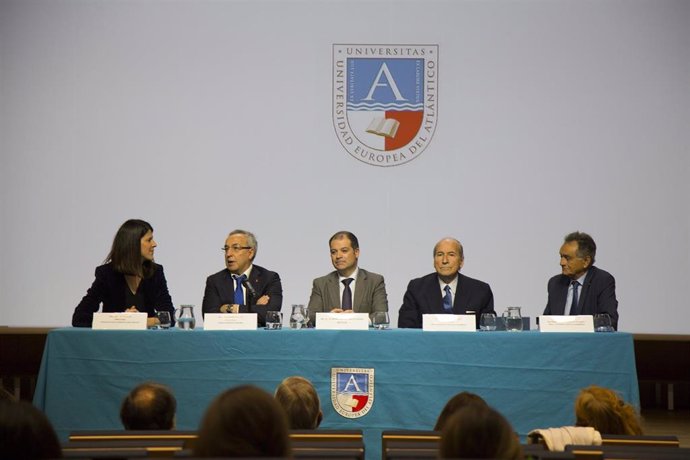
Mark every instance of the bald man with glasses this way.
pixel 242 287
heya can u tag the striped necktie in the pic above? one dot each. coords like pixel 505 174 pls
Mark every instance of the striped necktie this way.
pixel 448 300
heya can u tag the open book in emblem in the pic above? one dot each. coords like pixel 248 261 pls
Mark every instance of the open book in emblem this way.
pixel 387 127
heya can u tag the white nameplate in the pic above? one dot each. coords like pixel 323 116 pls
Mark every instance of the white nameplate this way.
pixel 122 321
pixel 230 321
pixel 448 323
pixel 342 321
pixel 562 323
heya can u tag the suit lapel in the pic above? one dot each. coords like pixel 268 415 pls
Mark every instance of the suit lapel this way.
pixel 562 295
pixel 460 301
pixel 434 297
pixel 226 289
pixel 360 288
pixel 585 289
pixel 121 287
pixel 332 291
pixel 257 279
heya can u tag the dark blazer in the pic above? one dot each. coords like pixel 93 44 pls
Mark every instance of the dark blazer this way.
pixel 220 290
pixel 370 294
pixel 423 295
pixel 597 295
pixel 109 288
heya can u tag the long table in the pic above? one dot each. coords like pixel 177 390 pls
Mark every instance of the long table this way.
pixel 530 377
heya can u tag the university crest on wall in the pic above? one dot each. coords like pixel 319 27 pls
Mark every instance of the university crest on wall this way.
pixel 385 100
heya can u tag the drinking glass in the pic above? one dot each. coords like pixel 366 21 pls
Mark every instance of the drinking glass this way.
pixel 602 323
pixel 164 319
pixel 487 322
pixel 297 317
pixel 274 320
pixel 380 320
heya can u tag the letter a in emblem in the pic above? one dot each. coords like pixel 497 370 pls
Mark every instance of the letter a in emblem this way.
pixel 389 79
pixel 351 382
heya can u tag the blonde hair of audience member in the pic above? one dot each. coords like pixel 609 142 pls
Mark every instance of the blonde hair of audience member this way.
pixel 301 403
pixel 243 422
pixel 26 433
pixel 454 404
pixel 603 410
pixel 477 431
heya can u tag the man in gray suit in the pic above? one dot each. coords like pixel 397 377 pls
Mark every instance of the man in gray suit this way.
pixel 349 288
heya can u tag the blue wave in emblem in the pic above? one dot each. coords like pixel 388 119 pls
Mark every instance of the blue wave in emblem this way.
pixel 378 106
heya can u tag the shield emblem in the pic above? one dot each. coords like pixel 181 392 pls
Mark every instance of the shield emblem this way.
pixel 385 100
pixel 352 391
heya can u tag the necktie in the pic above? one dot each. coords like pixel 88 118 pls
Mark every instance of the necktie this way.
pixel 447 299
pixel 574 309
pixel 239 295
pixel 346 304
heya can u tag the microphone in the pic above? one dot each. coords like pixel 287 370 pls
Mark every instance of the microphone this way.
pixel 250 288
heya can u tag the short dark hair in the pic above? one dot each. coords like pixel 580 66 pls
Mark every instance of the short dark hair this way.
pixel 345 234
pixel 244 421
pixel 149 406
pixel 301 403
pixel 26 432
pixel 477 431
pixel 585 244
pixel 456 403
pixel 125 253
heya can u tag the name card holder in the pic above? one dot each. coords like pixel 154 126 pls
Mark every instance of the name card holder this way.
pixel 449 323
pixel 342 321
pixel 119 321
pixel 564 323
pixel 230 322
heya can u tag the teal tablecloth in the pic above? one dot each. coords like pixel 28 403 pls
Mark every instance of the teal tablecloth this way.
pixel 531 377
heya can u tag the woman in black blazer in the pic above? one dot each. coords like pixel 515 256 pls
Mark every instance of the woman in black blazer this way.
pixel 130 281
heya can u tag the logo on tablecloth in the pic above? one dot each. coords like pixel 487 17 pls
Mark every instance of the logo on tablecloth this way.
pixel 385 100
pixel 352 391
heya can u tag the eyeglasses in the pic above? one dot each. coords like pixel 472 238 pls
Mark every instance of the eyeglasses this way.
pixel 234 248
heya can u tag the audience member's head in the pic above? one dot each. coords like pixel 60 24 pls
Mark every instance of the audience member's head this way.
pixel 149 406
pixel 301 403
pixel 455 403
pixel 606 412
pixel 25 433
pixel 477 431
pixel 243 422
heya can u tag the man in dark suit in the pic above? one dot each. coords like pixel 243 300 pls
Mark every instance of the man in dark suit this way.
pixel 446 290
pixel 242 287
pixel 581 288
pixel 349 288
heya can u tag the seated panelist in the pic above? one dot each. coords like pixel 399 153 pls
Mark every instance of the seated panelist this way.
pixel 348 288
pixel 242 287
pixel 129 281
pixel 581 288
pixel 446 290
